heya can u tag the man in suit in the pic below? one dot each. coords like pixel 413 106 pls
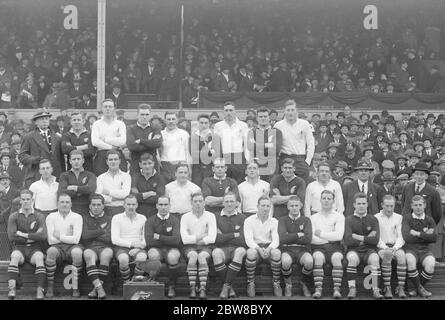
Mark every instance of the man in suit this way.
pixel 12 169
pixel 41 143
pixel 120 99
pixel 404 143
pixel 323 138
pixel 420 134
pixel 403 123
pixel 9 196
pixel 223 78
pixel 367 132
pixel 151 77
pixel 373 191
pixel 422 188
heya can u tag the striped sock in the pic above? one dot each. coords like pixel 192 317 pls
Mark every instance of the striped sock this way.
pixel 103 271
pixel 386 273
pixel 173 272
pixel 401 275
pixel 413 275
pixel 138 271
pixel 13 272
pixel 250 269
pixel 425 277
pixel 337 276
pixel 221 270
pixel 125 273
pixel 286 272
pixel 318 276
pixel 40 273
pixel 76 273
pixel 306 275
pixel 192 272
pixel 50 270
pixel 276 269
pixel 92 273
pixel 202 274
pixel 351 274
pixel 375 272
pixel 232 271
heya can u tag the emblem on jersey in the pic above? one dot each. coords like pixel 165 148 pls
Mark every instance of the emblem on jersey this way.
pixel 425 229
pixel 169 229
pixel 154 185
pixel 84 180
pixel 103 225
pixel 301 227
pixel 32 225
pixel 368 228
pixel 85 140
pixel 237 227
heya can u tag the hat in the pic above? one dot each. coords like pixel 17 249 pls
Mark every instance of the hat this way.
pixel 367 148
pixel 364 114
pixel 41 114
pixel 342 164
pixel 430 115
pixel 412 154
pixel 420 123
pixel 435 173
pixel 323 123
pixel 5 175
pixel 402 156
pixel 406 113
pixel 341 114
pixel 375 117
pixel 388 164
pixel 116 85
pixel 395 140
pixel 362 165
pixel 388 176
pixel 421 166
pixel 333 145
pixel 420 113
pixel 402 176
pixel 2 113
pixel 417 143
pixel 347 177
pixel 214 114
pixel 5 154
pixel 427 138
pixel 403 132
pixel 369 124
pixel 337 130
pixel 441 161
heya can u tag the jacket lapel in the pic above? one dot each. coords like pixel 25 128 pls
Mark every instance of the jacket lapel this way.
pixel 39 140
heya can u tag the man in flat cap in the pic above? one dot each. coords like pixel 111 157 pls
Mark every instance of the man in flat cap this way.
pixel 41 143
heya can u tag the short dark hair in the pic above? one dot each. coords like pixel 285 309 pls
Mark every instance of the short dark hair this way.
pixel 146 156
pixel 131 196
pixel 263 110
pixel 263 198
pixel 288 160
pixel 97 196
pixel 63 194
pixel 144 106
pixel 324 164
pixel 26 191
pixel 170 112
pixel 227 103
pixel 230 193
pixel 360 195
pixel 418 198
pixel 327 192
pixel 76 151
pixel 388 197
pixel 45 161
pixel 203 115
pixel 295 198
pixel 197 194
pixel 180 165
pixel 164 196
pixel 111 152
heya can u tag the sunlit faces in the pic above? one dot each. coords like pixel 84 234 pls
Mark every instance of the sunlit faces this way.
pixel 45 169
pixel 230 203
pixel 229 112
pixel 42 123
pixel 198 203
pixel 77 121
pixel 64 203
pixel 182 174
pixel 418 207
pixel 113 161
pixel 130 205
pixel 96 207
pixel 108 108
pixel 146 166
pixel 420 176
pixel 163 206
pixel 327 201
pixel 361 205
pixel 26 201
pixel 76 161
pixel 294 206
pixel 171 121
pixel 264 206
pixel 143 117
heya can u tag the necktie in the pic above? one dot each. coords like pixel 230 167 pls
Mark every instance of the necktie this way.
pixel 363 188
pixel 418 189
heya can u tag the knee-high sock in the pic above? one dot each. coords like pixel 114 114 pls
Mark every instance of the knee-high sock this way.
pixel 76 272
pixel 203 272
pixel 401 275
pixel 276 269
pixel 375 272
pixel 125 272
pixel 306 275
pixel 386 273
pixel 92 273
pixel 413 275
pixel 351 274
pixel 221 270
pixel 173 270
pixel 232 272
pixel 250 269
pixel 286 272
pixel 337 276
pixel 319 276
pixel 50 271
pixel 40 274
pixel 138 271
pixel 13 272
pixel 103 270
pixel 425 277
pixel 192 272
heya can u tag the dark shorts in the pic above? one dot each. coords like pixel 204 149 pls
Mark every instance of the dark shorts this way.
pixel 65 251
pixel 163 252
pixel 27 250
pixel 229 252
pixel 420 255
pixel 189 248
pixel 363 255
pixel 97 249
pixel 328 250
pixel 295 252
pixel 120 250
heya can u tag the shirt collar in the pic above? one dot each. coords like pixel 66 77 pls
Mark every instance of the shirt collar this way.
pixel 148 125
pixel 152 175
pixel 83 130
pixel 81 170
pixel 225 213
pixel 52 177
pixel 43 131
pixel 359 216
pixel 419 185
pixel 294 219
pixel 32 211
pixel 101 215
pixel 422 217
pixel 163 218
pixel 219 179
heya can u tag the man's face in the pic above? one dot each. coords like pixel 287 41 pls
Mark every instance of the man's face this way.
pixel 288 170
pixel 5 183
pixel 229 113
pixel 252 170
pixel 146 166
pixel 344 130
pixel 64 204
pixel 427 144
pixel 96 207
pixel 230 203
pixel 108 108
pixel 327 201
pixel 290 112
pixel 130 205
pixel 42 123
pixel 171 121
pixel 198 203
pixel 361 205
pixel 363 174
pixel 143 115
pixel 113 161
pixel 26 201
pixel 420 129
pixel 323 129
pixel 5 161
pixel 77 121
pixel 263 119
pixel 204 124
pixel 418 207
pixel 273 116
pixel 219 169
pixel 324 173
pixel 388 206
pixel 76 161
pixel 347 111
pixel 182 174
pixel 264 208
pixel 420 177
pixel 414 161
pixel 163 206
pixel 294 207
pixel 45 169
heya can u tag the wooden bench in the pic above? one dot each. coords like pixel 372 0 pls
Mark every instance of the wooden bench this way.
pixel 263 281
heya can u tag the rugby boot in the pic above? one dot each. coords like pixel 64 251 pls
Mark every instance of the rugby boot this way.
pixel 232 293
pixel 12 289
pixel 387 292
pixel 50 290
pixel 40 293
pixel 225 291
pixel 101 292
pixel 305 289
pixel 92 294
pixel 202 293
pixel 352 293
pixel 336 294
pixel 400 291
pixel 277 291
pixel 76 293
pixel 423 292
pixel 251 289
pixel 288 287
pixel 376 294
pixel 171 292
pixel 318 293
pixel 192 292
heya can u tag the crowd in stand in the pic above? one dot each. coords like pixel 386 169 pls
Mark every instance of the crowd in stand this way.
pixel 226 49
pixel 337 190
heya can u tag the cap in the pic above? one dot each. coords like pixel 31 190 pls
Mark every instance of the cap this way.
pixel 362 165
pixel 342 164
pixel 5 175
pixel 388 176
pixel 402 176
pixel 388 164
pixel 421 166
pixel 41 114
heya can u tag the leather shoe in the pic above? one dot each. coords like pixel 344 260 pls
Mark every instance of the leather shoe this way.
pixel 387 292
pixel 305 289
pixel 192 292
pixel 40 293
pixel 277 291
pixel 400 291
pixel 318 293
pixel 251 289
pixel 352 293
pixel 423 292
pixel 337 294
pixel 171 292
pixel 202 293
pixel 224 291
pixel 377 295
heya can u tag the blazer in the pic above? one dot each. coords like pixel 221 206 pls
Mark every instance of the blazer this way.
pixel 34 149
pixel 322 144
pixel 430 194
pixel 375 196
